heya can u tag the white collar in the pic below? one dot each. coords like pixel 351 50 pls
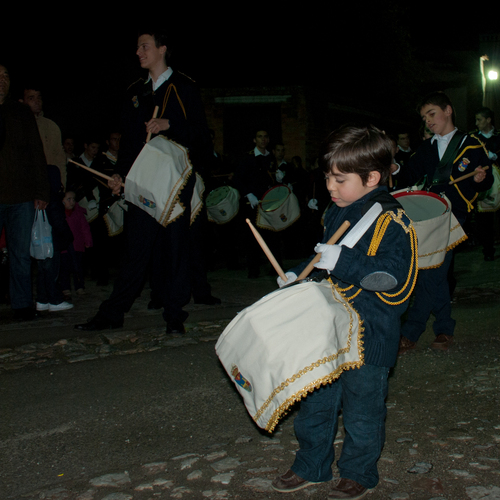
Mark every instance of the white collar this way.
pixel 162 78
pixel 487 135
pixel 257 152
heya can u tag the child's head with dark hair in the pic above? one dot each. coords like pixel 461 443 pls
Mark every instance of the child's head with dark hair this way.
pixel 356 160
pixel 359 150
pixel 485 119
pixel 437 98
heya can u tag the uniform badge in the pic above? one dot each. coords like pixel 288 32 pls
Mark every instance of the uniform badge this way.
pixel 463 164
pixel 240 379
pixel 135 101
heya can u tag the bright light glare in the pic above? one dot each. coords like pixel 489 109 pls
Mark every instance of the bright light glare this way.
pixel 492 75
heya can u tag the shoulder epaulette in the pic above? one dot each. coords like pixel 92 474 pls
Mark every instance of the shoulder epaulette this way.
pixel 137 81
pixel 185 76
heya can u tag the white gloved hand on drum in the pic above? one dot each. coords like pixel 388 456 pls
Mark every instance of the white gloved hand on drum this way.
pixel 291 277
pixel 252 199
pixel 279 175
pixel 313 204
pixel 329 256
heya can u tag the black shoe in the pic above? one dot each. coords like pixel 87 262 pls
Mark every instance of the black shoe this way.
pixel 96 324
pixel 153 305
pixel 209 301
pixel 175 327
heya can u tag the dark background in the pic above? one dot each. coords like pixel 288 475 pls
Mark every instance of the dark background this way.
pixel 367 56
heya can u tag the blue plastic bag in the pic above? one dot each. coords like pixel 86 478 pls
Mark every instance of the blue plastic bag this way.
pixel 41 237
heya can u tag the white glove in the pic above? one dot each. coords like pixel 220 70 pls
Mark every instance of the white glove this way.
pixel 313 204
pixel 252 199
pixel 329 255
pixel 92 204
pixel 291 278
pixel 279 175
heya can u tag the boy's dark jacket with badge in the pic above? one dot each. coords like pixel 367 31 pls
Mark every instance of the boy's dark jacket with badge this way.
pixel 386 253
pixel 470 155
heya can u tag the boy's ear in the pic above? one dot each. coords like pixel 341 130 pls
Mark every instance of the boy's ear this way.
pixel 373 178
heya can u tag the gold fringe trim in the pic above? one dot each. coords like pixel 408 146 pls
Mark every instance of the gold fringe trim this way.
pixel 284 407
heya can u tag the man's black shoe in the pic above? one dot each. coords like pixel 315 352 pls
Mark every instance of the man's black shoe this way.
pixel 96 324
pixel 175 327
pixel 209 301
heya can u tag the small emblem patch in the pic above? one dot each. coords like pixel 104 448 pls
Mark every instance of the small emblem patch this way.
pixel 146 202
pixel 240 379
pixel 463 164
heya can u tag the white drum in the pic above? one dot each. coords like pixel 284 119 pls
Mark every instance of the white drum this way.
pixel 157 177
pixel 278 209
pixel 287 344
pixel 222 204
pixel 490 200
pixel 114 217
pixel 438 230
pixel 92 213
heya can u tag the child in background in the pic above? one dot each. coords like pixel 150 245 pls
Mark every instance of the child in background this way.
pixel 48 293
pixel 72 259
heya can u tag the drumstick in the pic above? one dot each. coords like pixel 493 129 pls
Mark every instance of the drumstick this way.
pixel 155 113
pixel 100 174
pixel 466 176
pixel 340 231
pixel 268 252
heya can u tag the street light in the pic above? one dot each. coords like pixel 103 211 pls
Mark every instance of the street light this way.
pixel 493 75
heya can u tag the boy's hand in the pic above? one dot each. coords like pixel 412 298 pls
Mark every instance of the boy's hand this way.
pixel 481 174
pixel 329 256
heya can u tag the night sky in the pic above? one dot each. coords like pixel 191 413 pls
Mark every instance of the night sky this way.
pixel 366 56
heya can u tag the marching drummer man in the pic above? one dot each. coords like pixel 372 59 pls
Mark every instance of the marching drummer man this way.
pixel 377 276
pixel 151 247
pixel 252 178
pixel 449 154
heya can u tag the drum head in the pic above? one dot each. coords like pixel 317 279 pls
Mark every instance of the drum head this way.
pixel 421 205
pixel 216 196
pixel 274 198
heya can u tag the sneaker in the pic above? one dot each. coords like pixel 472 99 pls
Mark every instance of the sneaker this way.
pixel 348 489
pixel 405 345
pixel 42 307
pixel 289 481
pixel 59 307
pixel 443 342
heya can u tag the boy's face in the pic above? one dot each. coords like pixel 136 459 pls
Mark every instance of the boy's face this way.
pixel 483 124
pixel 404 141
pixel 345 189
pixel 261 140
pixel 69 201
pixel 437 120
pixel 150 56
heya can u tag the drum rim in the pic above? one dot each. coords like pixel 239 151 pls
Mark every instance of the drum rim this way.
pixel 228 188
pixel 422 193
pixel 270 189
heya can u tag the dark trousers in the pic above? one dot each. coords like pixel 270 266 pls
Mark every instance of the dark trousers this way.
pixel 47 287
pixel 164 250
pixel 71 264
pixel 431 295
pixel 360 394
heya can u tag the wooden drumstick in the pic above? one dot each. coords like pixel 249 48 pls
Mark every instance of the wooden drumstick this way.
pixel 466 176
pixel 155 114
pixel 268 252
pixel 338 233
pixel 96 172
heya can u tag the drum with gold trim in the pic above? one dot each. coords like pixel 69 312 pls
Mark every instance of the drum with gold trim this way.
pixel 287 344
pixel 438 230
pixel 278 209
pixel 157 177
pixel 222 204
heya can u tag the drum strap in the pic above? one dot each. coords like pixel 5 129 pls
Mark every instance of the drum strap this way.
pixel 167 96
pixel 443 170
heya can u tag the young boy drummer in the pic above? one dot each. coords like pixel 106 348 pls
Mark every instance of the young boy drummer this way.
pixel 377 276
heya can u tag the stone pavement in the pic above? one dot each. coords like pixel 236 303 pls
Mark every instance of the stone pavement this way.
pixel 134 414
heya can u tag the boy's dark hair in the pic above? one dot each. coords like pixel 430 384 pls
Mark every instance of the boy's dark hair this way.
pixel 159 36
pixel 358 150
pixel 438 99
pixel 487 113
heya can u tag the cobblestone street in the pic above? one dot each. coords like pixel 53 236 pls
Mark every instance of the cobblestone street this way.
pixel 134 414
